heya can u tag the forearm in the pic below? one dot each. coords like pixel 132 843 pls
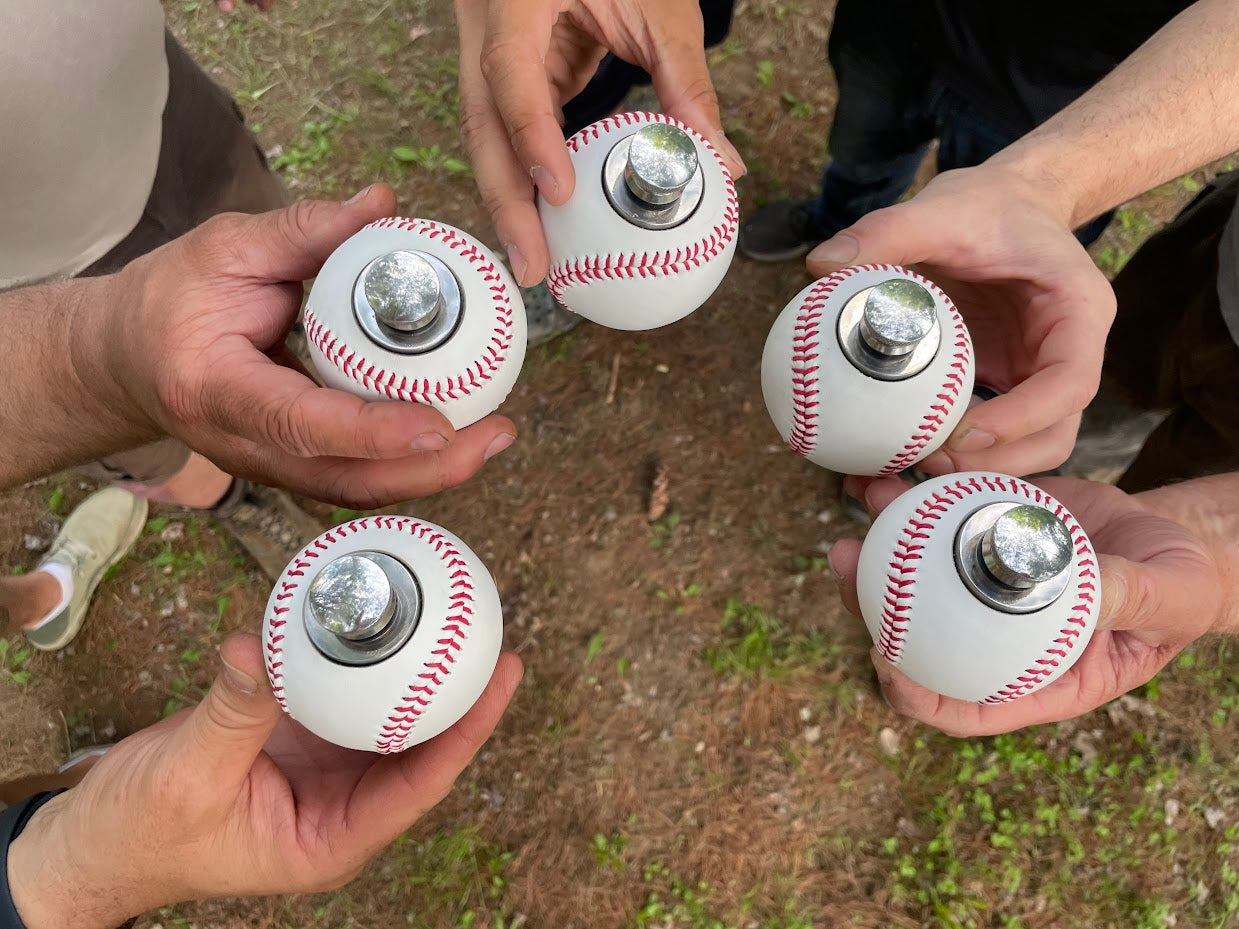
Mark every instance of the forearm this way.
pixel 1171 106
pixel 52 888
pixel 1209 507
pixel 58 402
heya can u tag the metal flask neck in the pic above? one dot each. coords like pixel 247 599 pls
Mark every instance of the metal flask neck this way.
pixel 408 301
pixel 1014 557
pixel 890 331
pixel 362 608
pixel 653 177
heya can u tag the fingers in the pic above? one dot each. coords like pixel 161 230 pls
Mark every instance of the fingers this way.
pixel 222 736
pixel 367 484
pixel 1032 454
pixel 513 64
pixel 291 244
pixel 400 790
pixel 275 406
pixel 506 187
pixel 844 556
pixel 677 64
pixel 895 235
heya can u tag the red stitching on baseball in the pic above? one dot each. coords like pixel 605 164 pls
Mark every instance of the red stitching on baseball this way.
pixel 404 715
pixel 423 390
pixel 901 577
pixel 584 270
pixel 806 339
pixel 947 396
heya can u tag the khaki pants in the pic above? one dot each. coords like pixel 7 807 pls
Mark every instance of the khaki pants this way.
pixel 209 163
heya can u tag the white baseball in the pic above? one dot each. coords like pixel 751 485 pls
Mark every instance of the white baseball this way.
pixel 926 622
pixel 465 378
pixel 842 419
pixel 419 691
pixel 621 275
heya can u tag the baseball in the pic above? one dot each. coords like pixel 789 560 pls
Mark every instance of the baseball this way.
pixel 979 586
pixel 650 229
pixel 868 370
pixel 412 309
pixel 382 633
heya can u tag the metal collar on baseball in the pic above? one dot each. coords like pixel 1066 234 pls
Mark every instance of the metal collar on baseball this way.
pixel 653 177
pixel 1014 557
pixel 408 301
pixel 362 607
pixel 890 331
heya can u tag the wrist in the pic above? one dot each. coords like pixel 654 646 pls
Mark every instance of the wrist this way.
pixel 1032 170
pixel 54 884
pixel 98 329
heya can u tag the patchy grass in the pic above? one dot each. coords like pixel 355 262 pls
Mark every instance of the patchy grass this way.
pixel 755 641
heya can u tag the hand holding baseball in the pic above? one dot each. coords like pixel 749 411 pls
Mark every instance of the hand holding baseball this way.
pixel 521 60
pixel 1164 584
pixel 231 798
pixel 1037 307
pixel 195 344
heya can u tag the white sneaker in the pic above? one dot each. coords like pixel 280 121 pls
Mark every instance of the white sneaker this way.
pixel 96 535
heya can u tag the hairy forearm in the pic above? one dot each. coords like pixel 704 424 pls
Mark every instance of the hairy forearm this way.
pixel 1209 507
pixel 1171 106
pixel 58 401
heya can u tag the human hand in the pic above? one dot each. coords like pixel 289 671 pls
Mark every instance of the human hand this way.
pixel 1163 586
pixel 231 799
pixel 521 60
pixel 1037 307
pixel 193 349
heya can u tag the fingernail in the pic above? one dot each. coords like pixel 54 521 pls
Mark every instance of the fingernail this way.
pixel 545 181
pixel 498 444
pixel 237 679
pixel 937 464
pixel 359 196
pixel 834 569
pixel 970 440
pixel 517 262
pixel 839 250
pixel 430 442
pixel 732 154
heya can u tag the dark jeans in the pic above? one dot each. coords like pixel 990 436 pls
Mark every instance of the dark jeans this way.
pixel 891 108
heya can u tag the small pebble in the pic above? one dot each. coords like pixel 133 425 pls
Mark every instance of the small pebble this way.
pixel 888 742
pixel 813 734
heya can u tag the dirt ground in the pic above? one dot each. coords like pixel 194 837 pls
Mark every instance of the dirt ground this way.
pixel 698 743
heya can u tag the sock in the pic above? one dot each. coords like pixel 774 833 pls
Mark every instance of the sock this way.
pixel 64 577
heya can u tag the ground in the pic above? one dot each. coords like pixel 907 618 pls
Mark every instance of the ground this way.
pixel 698 743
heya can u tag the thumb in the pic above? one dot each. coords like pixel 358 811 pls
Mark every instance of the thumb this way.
pixel 224 734
pixel 291 244
pixel 898 235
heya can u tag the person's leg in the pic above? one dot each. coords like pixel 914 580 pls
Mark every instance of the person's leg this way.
pixel 1170 347
pixel 878 139
pixel 49 604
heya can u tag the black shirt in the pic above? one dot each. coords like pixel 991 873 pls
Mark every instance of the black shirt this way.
pixel 1021 61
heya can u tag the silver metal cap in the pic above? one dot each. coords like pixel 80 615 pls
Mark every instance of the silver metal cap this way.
pixel 653 178
pixel 898 315
pixel 1026 546
pixel 352 598
pixel 362 607
pixel 1014 556
pixel 404 290
pixel 890 331
pixel 408 301
pixel 662 159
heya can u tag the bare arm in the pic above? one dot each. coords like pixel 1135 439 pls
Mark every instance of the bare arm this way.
pixel 58 404
pixel 1171 106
